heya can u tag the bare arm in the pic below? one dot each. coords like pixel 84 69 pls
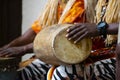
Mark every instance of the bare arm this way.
pixel 82 30
pixel 20 46
pixel 26 38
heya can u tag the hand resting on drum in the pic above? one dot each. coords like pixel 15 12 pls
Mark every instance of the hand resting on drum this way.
pixel 12 52
pixel 19 46
pixel 81 30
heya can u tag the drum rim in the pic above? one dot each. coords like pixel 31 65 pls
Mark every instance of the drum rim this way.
pixel 6 58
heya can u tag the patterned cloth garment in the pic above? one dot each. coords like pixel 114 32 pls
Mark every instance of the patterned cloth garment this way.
pixel 100 70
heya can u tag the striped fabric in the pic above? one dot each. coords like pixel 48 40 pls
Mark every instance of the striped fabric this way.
pixel 37 70
pixel 101 70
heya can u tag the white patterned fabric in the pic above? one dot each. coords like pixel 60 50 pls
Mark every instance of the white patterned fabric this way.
pixel 37 70
pixel 101 70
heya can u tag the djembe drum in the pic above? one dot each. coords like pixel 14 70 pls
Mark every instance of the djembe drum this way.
pixel 8 68
pixel 51 46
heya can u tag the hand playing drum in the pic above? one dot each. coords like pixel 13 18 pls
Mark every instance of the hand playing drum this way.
pixel 81 30
pixel 52 46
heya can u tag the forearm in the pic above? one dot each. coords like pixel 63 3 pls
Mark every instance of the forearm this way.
pixel 19 42
pixel 12 43
pixel 112 28
pixel 25 39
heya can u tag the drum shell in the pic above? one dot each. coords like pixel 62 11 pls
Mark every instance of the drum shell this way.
pixel 44 45
pixel 8 68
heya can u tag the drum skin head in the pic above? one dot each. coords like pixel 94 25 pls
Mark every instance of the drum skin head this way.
pixel 68 52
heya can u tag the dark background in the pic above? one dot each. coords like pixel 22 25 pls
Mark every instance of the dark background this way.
pixel 10 20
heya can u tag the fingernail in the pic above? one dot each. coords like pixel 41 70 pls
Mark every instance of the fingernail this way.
pixel 69 39
pixel 67 35
pixel 68 30
pixel 75 42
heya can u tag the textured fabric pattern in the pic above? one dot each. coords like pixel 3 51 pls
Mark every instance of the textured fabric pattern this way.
pixel 101 70
pixel 35 71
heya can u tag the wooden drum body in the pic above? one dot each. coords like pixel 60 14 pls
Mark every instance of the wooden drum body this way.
pixel 51 46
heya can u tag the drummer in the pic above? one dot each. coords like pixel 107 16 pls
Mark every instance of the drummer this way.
pixel 100 70
pixel 34 71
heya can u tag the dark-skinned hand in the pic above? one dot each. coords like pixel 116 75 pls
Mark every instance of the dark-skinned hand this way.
pixel 1 49
pixel 4 47
pixel 81 30
pixel 12 52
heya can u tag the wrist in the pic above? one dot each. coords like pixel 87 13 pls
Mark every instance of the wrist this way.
pixel 94 31
pixel 28 48
pixel 102 29
pixel 24 49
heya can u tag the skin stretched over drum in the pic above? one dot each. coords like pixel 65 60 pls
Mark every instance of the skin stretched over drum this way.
pixel 51 46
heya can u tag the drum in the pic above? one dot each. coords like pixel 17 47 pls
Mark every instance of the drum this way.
pixel 9 64
pixel 52 47
pixel 8 68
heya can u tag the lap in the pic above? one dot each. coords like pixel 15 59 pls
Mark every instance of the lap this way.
pixel 36 70
pixel 100 70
